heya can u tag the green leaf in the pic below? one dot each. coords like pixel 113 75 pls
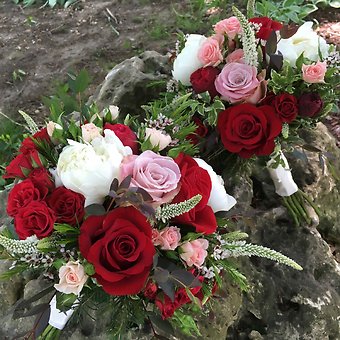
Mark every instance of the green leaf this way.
pixel 79 83
pixel 65 229
pixel 95 210
pixel 89 269
pixel 65 301
pixel 11 272
pixel 58 263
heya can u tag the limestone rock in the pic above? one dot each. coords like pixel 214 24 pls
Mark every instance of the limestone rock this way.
pixel 134 82
pixel 283 303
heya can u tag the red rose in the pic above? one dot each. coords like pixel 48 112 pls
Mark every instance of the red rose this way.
pixel 195 180
pixel 200 132
pixel 267 25
pixel 150 290
pixel 285 106
pixel 120 248
pixel 166 307
pixel 67 205
pixel 36 218
pixel 203 80
pixel 249 130
pixel 310 104
pixel 42 180
pixel 28 143
pixel 21 195
pixel 125 134
pixel 22 164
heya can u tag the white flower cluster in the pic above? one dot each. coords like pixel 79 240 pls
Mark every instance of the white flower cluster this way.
pixel 248 39
pixel 27 246
pixel 210 272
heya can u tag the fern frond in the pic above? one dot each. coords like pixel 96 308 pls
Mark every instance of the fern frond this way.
pixel 28 246
pixel 241 248
pixel 170 211
pixel 31 125
pixel 248 39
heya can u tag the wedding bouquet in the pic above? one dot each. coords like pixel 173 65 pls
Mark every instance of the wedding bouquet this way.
pixel 257 83
pixel 117 214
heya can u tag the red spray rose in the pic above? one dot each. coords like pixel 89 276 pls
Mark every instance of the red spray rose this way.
pixel 42 180
pixel 166 306
pixel 200 132
pixel 267 26
pixel 285 106
pixel 203 80
pixel 28 144
pixel 310 104
pixel 249 130
pixel 21 195
pixel 195 180
pixel 150 290
pixel 67 205
pixel 34 219
pixel 125 134
pixel 22 164
pixel 120 248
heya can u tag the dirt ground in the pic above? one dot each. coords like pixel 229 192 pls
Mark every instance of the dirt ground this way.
pixel 39 46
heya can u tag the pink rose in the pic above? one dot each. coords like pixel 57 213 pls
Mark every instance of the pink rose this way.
pixel 156 174
pixel 194 252
pixel 210 52
pixel 314 73
pixel 240 83
pixel 236 56
pixel 168 238
pixel 230 27
pixel 89 132
pixel 157 138
pixel 72 278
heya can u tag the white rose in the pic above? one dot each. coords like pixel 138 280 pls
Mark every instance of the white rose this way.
pixel 72 278
pixel 219 200
pixel 89 132
pixel 305 41
pixel 187 61
pixel 157 138
pixel 282 178
pixel 89 169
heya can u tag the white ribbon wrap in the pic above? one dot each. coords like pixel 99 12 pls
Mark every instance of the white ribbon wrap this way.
pixel 282 178
pixel 58 319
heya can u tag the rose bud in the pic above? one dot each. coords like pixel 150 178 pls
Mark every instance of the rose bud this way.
pixel 169 238
pixel 51 126
pixel 203 80
pixel 114 110
pixel 89 132
pixel 157 138
pixel 150 290
pixel 310 104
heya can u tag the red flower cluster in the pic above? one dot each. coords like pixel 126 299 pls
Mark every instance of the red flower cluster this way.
pixel 34 203
pixel 28 158
pixel 284 104
pixel 195 180
pixel 267 26
pixel 203 80
pixel 249 130
pixel 119 246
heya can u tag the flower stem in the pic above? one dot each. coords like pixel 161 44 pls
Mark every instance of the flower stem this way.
pixel 291 209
